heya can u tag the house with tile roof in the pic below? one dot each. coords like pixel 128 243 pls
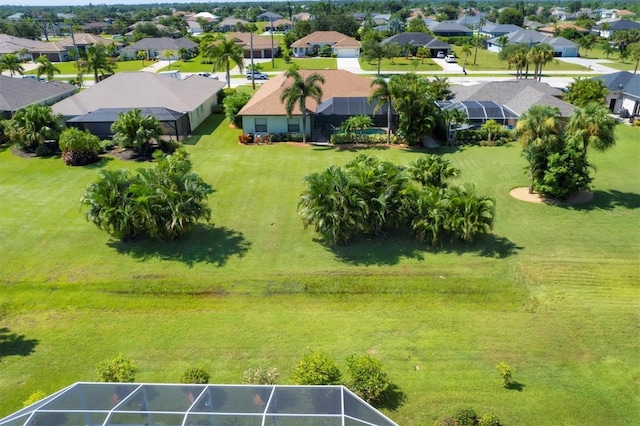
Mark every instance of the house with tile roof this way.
pixel 504 101
pixel 16 93
pixel 411 41
pixel 342 45
pixel 156 47
pixel 189 101
pixel 11 44
pixel 448 29
pixel 624 92
pixel 263 46
pixel 343 95
pixel 59 51
pixel 561 46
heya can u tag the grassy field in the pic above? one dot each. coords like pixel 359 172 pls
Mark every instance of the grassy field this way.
pixel 69 68
pixel 196 65
pixel 554 292
pixel 401 64
pixel 488 61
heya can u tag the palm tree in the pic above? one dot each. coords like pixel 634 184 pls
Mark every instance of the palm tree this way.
pixel 634 54
pixel 469 214
pixel 142 55
pixel 98 62
pixel 298 92
pixel 592 126
pixel 481 23
pixel 382 95
pixel 11 63
pixel 607 49
pixel 32 125
pixel 46 67
pixel 440 88
pixel 540 55
pixel 132 130
pixel 605 26
pixel 167 55
pixel 224 52
pixel 466 51
pixel 538 130
pixel 432 170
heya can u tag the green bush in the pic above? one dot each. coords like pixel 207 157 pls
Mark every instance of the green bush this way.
pixel 316 368
pixel 466 417
pixel 490 420
pixel 79 147
pixel 195 375
pixel 118 370
pixel 232 106
pixel 344 138
pixel 261 376
pixel 285 137
pixel 33 398
pixel 367 378
pixel 506 372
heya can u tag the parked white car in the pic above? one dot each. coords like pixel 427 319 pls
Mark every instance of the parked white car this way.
pixel 440 55
pixel 257 75
pixel 450 58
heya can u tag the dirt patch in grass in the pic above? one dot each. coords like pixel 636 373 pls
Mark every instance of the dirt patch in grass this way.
pixel 523 194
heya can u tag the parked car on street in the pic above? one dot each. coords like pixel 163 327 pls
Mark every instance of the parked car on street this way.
pixel 257 75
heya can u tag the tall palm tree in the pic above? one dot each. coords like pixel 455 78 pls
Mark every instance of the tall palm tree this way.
pixel 592 126
pixel 11 63
pixel 466 51
pixel 46 67
pixel 481 23
pixel 98 62
pixel 382 95
pixel 634 54
pixel 298 92
pixel 539 55
pixel 538 130
pixel 222 53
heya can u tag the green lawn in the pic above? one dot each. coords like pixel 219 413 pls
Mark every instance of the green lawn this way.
pixel 196 65
pixel 554 292
pixel 401 64
pixel 488 61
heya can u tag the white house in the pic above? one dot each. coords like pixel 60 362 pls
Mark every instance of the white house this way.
pixel 341 45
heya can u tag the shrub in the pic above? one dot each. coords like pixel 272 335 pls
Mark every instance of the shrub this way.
pixel 466 417
pixel 490 420
pixel 367 378
pixel 232 106
pixel 567 174
pixel 316 368
pixel 506 372
pixel 261 376
pixel 79 148
pixel 195 375
pixel 118 369
pixel 33 398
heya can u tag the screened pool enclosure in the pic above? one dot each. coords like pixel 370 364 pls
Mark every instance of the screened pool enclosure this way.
pixel 190 405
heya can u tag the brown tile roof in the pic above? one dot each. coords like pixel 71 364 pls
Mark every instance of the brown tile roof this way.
pixel 259 42
pixel 338 83
pixel 334 38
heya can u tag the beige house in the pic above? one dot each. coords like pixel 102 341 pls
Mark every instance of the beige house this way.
pixel 341 45
pixel 191 99
pixel 344 95
pixel 263 46
pixel 59 51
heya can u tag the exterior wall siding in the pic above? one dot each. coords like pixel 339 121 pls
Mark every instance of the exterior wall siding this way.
pixel 275 124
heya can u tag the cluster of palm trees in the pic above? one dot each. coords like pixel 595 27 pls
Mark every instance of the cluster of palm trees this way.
pixel 556 149
pixel 369 196
pixel 30 127
pixel 163 202
pixel 521 57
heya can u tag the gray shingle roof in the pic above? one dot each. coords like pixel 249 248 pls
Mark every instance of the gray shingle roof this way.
pixel 140 90
pixel 416 39
pixel 630 82
pixel 517 95
pixel 162 43
pixel 11 44
pixel 16 93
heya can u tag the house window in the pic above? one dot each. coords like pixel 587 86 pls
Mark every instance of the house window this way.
pixel 261 125
pixel 293 125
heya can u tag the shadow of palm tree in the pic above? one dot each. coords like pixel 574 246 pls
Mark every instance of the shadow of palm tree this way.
pixel 389 250
pixel 15 344
pixel 102 162
pixel 608 200
pixel 205 243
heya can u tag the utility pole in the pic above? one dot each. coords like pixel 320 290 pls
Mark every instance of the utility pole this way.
pixel 273 59
pixel 253 76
